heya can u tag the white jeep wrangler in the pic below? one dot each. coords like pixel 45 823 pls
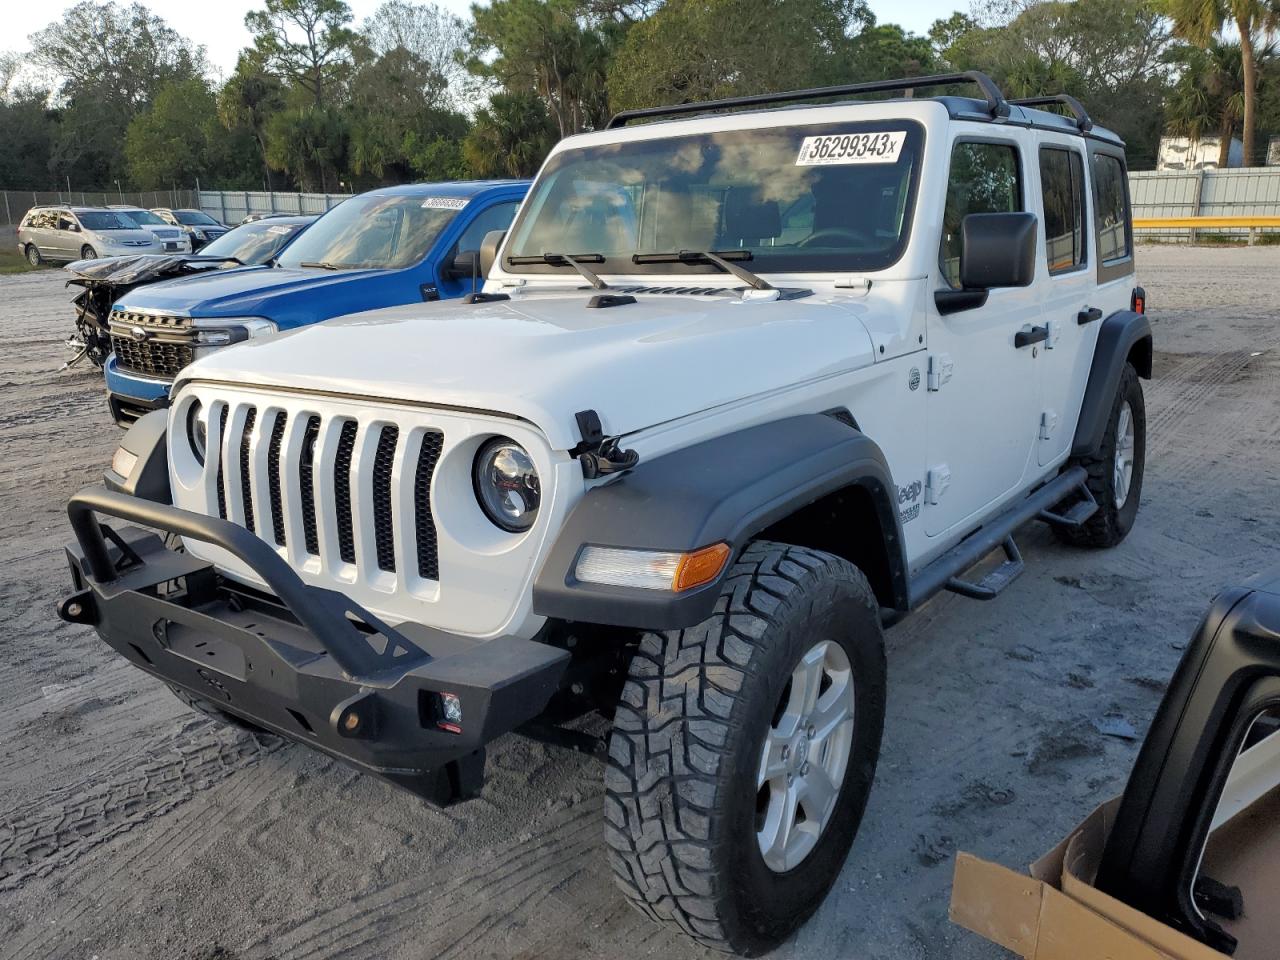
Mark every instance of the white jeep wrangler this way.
pixel 743 387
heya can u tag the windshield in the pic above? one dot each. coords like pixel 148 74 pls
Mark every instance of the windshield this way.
pixel 799 198
pixel 374 232
pixel 194 218
pixel 141 217
pixel 255 242
pixel 105 220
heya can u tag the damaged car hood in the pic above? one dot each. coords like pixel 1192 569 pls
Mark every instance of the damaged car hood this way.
pixel 545 356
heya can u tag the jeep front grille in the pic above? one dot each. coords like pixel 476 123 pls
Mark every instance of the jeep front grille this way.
pixel 358 492
pixel 151 344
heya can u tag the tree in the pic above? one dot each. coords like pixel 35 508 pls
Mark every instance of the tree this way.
pixel 550 48
pixel 1208 98
pixel 510 137
pixel 399 104
pixel 309 143
pixel 248 100
pixel 1112 54
pixel 169 143
pixel 306 42
pixel 706 49
pixel 1201 21
pixel 431 34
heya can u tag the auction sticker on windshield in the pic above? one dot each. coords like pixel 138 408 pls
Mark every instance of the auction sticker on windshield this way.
pixel 444 203
pixel 842 148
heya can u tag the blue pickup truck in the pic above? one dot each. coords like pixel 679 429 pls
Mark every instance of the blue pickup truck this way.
pixel 391 246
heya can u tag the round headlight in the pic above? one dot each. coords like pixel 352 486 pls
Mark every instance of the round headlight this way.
pixel 197 432
pixel 507 485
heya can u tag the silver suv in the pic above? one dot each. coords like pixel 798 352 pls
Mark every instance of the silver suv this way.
pixel 67 233
pixel 197 224
pixel 174 239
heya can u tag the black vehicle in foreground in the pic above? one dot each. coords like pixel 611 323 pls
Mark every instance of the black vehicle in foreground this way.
pixel 106 279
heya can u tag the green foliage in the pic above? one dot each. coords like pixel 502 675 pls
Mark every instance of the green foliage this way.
pixel 170 142
pixel 706 49
pixel 510 137
pixel 308 43
pixel 549 47
pixel 310 144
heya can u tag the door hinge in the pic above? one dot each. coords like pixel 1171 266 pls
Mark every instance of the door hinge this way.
pixel 1055 330
pixel 1048 424
pixel 937 480
pixel 940 368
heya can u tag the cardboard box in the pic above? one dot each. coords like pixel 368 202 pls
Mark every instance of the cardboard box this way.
pixel 1053 912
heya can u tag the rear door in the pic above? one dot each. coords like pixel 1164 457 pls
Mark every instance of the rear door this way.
pixel 982 389
pixel 1066 278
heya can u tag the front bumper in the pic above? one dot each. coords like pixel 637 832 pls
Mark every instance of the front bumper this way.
pixel 129 396
pixel 302 662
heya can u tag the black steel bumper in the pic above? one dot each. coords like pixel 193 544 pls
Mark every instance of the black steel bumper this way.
pixel 299 661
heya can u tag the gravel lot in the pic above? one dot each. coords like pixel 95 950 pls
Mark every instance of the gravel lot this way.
pixel 130 828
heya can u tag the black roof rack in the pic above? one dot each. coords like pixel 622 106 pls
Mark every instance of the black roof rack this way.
pixel 1083 121
pixel 997 106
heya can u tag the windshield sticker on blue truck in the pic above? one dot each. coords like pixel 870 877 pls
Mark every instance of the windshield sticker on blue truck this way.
pixel 444 203
pixel 845 148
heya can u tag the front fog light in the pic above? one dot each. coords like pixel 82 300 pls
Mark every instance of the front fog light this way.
pixel 651 569
pixel 507 485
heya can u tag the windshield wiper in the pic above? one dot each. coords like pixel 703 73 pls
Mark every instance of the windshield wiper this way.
pixel 564 260
pixel 720 258
pixel 326 265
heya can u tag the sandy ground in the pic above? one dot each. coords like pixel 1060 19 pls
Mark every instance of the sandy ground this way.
pixel 131 828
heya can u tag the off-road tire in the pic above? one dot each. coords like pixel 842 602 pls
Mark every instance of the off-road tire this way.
pixel 1111 524
pixel 211 710
pixel 33 255
pixel 680 783
pixel 88 253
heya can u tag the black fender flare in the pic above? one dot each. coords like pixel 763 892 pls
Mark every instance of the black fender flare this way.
pixel 148 471
pixel 725 489
pixel 1119 334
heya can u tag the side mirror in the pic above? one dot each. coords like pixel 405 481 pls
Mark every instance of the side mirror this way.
pixel 489 250
pixel 68 225
pixel 464 265
pixel 998 250
pixel 1198 799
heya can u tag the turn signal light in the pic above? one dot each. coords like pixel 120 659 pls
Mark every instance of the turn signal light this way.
pixel 652 569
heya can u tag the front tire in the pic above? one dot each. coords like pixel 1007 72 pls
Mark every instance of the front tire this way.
pixel 33 255
pixel 88 253
pixel 717 817
pixel 1115 472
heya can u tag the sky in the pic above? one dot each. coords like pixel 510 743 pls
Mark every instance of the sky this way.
pixel 220 26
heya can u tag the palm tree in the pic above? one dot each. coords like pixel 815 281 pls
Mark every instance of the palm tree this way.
pixel 1208 98
pixel 1201 21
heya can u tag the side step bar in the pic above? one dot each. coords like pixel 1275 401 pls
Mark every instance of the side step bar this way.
pixel 940 574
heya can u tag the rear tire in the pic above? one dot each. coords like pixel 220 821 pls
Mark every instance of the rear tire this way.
pixel 1116 487
pixel 33 255
pixel 212 711
pixel 697 781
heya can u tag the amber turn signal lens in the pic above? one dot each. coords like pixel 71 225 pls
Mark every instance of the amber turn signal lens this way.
pixel 700 567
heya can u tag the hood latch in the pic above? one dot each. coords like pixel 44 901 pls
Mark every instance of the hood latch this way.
pixel 598 454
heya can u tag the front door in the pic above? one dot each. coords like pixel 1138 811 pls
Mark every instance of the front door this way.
pixel 983 392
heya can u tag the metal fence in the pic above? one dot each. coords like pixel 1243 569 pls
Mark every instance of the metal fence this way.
pixel 1249 192
pixel 232 206
pixel 17 202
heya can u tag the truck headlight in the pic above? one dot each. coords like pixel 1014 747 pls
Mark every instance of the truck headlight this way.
pixel 507 485
pixel 197 431
pixel 222 332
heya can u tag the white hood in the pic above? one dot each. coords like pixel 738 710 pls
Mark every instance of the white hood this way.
pixel 545 356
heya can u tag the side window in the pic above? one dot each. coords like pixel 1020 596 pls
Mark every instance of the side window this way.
pixel 497 217
pixel 984 178
pixel 1062 187
pixel 1112 208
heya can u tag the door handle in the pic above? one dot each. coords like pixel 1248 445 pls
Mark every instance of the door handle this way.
pixel 1088 315
pixel 1025 338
